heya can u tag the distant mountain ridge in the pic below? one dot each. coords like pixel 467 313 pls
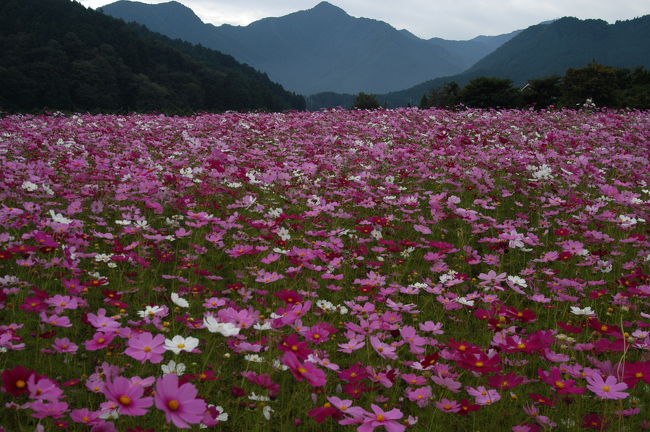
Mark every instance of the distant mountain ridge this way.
pixel 319 49
pixel 537 52
pixel 471 51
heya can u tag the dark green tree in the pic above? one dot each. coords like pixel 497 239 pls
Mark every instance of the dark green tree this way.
pixel 446 96
pixel 365 101
pixel 634 88
pixel 542 92
pixel 594 81
pixel 487 92
pixel 425 103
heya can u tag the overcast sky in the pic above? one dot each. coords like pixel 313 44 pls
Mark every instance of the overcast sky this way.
pixel 449 19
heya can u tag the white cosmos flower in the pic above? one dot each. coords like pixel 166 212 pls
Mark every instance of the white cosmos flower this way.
pixel 254 358
pixel 266 411
pixel 464 301
pixel 179 343
pixel 179 301
pixel 222 417
pixel 173 368
pixel 266 325
pixel 518 281
pixel 29 186
pixel 257 397
pixel 225 329
pixel 149 311
pixel 59 218
pixel 584 311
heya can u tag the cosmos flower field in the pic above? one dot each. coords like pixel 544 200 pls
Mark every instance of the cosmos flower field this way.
pixel 420 270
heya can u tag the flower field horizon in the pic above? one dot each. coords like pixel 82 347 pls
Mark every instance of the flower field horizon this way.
pixel 407 269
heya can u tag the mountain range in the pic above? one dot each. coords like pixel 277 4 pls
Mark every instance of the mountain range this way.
pixel 320 49
pixel 543 50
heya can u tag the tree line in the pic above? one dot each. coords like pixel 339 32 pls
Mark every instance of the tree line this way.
pixel 604 86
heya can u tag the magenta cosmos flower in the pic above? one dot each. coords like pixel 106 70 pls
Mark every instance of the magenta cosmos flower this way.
pixel 379 417
pixel 127 396
pixel 179 403
pixel 145 347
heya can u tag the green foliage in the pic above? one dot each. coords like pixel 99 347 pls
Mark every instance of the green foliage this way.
pixel 542 92
pixel 605 86
pixel 447 96
pixel 366 101
pixel 56 54
pixel 424 102
pixel 635 88
pixel 596 82
pixel 485 92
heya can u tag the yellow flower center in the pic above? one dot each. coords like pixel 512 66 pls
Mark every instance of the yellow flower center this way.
pixel 20 384
pixel 606 388
pixel 479 364
pixel 381 417
pixel 181 346
pixel 302 370
pixel 173 404
pixel 147 349
pixel 559 384
pixel 125 400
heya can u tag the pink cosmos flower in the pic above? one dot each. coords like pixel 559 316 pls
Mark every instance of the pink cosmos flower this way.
pixel 449 406
pixel 353 344
pixel 55 320
pixel 383 349
pixel 61 303
pixel 448 382
pixel 127 396
pixel 555 379
pixel 379 417
pixel 419 395
pixel 85 416
pixel 145 347
pixel 430 326
pixel 306 370
pixel 484 396
pixel 64 345
pixel 609 388
pixel 102 322
pixel 180 404
pixel 99 341
pixel 44 389
pixel 48 409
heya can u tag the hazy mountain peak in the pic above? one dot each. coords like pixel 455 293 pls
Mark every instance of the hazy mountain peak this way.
pixel 326 7
pixel 168 11
pixel 318 49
